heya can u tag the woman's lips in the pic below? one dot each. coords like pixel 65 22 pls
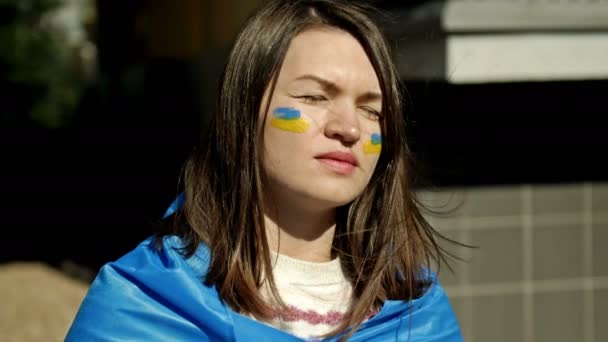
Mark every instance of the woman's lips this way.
pixel 339 162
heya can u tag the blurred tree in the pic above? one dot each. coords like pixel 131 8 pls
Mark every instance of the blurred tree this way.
pixel 46 60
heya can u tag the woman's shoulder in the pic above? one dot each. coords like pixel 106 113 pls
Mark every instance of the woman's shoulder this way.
pixel 152 292
pixel 429 317
pixel 165 254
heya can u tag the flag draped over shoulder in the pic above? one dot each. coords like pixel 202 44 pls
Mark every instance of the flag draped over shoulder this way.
pixel 158 295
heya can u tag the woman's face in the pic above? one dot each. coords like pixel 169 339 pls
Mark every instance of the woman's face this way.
pixel 322 136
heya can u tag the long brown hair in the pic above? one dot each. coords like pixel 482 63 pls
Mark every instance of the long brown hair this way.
pixel 381 237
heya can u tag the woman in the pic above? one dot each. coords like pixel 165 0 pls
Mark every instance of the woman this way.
pixel 298 221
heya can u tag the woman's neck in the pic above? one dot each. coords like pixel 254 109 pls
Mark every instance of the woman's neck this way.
pixel 301 234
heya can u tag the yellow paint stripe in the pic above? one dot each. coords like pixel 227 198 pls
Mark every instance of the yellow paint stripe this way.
pixel 368 147
pixel 297 125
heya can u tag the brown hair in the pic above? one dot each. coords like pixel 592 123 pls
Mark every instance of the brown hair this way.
pixel 383 240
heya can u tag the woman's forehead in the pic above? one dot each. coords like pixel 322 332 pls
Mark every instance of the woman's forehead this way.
pixel 331 54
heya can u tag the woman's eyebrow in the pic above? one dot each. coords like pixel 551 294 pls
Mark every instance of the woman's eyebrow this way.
pixel 370 97
pixel 331 87
pixel 327 85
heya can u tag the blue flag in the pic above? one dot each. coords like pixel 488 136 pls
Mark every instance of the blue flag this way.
pixel 158 295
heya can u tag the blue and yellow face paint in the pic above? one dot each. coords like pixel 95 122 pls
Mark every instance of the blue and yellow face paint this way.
pixel 374 145
pixel 288 119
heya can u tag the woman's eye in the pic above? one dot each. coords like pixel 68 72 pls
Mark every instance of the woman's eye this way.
pixel 311 99
pixel 372 113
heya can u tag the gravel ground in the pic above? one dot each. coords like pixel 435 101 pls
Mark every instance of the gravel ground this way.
pixel 38 302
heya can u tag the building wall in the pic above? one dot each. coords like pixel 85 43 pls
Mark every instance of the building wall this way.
pixel 539 271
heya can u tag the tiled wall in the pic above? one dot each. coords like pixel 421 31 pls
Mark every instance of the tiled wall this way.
pixel 540 272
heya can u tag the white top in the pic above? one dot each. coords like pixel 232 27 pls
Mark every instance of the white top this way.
pixel 317 295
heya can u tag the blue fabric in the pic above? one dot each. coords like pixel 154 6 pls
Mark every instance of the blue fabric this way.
pixel 158 295
pixel 176 205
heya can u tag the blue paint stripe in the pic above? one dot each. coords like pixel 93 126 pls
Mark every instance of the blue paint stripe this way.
pixel 286 113
pixel 376 139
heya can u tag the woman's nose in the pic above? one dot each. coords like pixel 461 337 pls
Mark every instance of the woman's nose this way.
pixel 343 124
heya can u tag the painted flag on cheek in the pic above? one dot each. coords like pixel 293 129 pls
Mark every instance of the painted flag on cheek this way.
pixel 374 145
pixel 288 119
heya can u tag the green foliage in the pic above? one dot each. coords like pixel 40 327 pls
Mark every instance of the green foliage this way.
pixel 41 68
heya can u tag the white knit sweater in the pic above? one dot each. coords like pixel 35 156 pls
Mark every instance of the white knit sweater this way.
pixel 317 295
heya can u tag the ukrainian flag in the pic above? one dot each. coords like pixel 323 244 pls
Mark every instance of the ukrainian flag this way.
pixel 288 119
pixel 374 145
